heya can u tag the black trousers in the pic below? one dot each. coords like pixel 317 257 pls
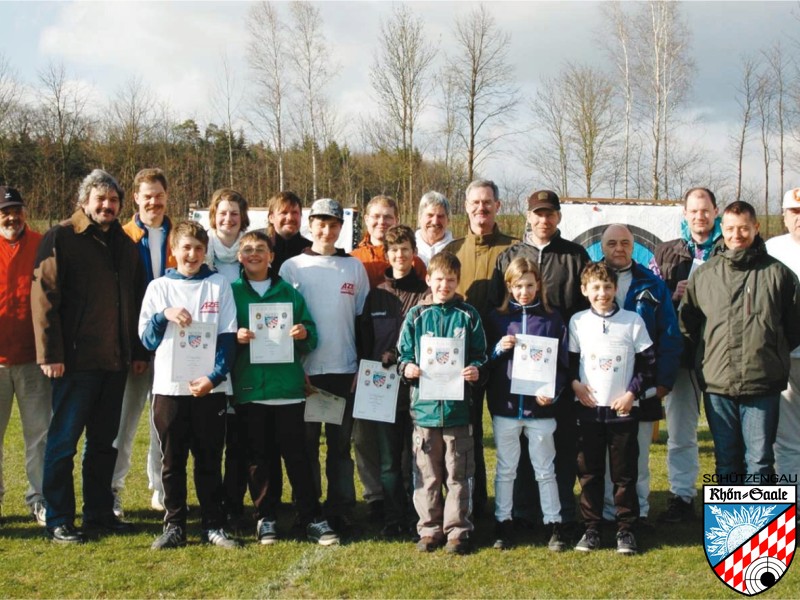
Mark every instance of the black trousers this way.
pixel 620 440
pixel 263 431
pixel 197 425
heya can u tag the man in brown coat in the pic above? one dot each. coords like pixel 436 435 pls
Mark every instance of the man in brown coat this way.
pixel 478 252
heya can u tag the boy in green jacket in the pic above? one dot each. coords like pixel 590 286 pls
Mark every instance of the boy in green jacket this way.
pixel 442 445
pixel 270 397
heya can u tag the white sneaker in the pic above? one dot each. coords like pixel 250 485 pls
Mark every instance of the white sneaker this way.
pixel 39 512
pixel 156 503
pixel 118 511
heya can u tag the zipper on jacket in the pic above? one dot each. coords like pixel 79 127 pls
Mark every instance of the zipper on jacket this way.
pixel 520 400
pixel 748 300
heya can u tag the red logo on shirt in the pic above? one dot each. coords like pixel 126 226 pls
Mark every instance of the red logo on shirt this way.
pixel 209 307
pixel 348 288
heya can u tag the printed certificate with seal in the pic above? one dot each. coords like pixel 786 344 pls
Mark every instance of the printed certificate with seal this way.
pixel 606 371
pixel 376 392
pixel 271 322
pixel 324 407
pixel 533 370
pixel 193 351
pixel 441 365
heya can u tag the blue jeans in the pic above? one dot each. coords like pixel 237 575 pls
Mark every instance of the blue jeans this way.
pixel 90 400
pixel 744 429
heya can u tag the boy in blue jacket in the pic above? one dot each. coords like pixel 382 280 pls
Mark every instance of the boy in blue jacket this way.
pixel 442 443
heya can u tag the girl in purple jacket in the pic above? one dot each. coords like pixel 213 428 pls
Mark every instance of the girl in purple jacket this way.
pixel 524 313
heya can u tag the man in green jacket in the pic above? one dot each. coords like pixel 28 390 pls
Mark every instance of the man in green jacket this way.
pixel 740 311
pixel 478 251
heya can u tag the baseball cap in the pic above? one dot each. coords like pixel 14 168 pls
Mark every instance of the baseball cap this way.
pixel 543 199
pixel 791 199
pixel 10 197
pixel 327 207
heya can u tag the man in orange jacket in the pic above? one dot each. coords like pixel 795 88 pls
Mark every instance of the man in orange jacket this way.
pixel 19 373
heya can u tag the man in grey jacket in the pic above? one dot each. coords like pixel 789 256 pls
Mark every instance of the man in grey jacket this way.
pixel 740 311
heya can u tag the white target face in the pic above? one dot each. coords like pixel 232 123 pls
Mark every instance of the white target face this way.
pixel 762 574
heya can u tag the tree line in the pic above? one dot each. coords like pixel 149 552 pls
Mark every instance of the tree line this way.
pixel 610 128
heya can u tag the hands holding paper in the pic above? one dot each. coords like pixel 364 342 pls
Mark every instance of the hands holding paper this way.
pixel 179 315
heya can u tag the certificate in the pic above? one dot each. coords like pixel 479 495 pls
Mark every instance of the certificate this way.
pixel 193 351
pixel 324 407
pixel 441 365
pixel 271 323
pixel 533 370
pixel 606 371
pixel 376 392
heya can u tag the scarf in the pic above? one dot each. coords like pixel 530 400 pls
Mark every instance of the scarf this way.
pixel 219 252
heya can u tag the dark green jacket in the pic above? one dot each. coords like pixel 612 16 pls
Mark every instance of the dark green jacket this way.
pixel 452 319
pixel 284 381
pixel 741 311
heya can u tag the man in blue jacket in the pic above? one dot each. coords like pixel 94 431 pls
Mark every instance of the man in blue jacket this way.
pixel 641 291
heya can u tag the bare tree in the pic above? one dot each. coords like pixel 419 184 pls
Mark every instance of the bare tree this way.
pixel 765 97
pixel 619 49
pixel 268 59
pixel 399 77
pixel 129 124
pixel 486 91
pixel 591 120
pixel 226 100
pixel 778 65
pixel 552 149
pixel 662 72
pixel 310 58
pixel 745 96
pixel 10 90
pixel 62 120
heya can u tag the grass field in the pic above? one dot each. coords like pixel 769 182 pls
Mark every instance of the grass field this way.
pixel 671 562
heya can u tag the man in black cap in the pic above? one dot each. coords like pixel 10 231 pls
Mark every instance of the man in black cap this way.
pixel 560 262
pixel 20 376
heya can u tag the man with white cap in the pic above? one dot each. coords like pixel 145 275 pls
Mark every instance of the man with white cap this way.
pixel 20 376
pixel 335 287
pixel 786 248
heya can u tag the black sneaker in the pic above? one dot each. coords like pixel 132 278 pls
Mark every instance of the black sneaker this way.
pixel 219 537
pixel 66 534
pixel 321 533
pixel 626 543
pixel 556 542
pixel 504 534
pixel 266 532
pixel 678 510
pixel 174 536
pixel 589 542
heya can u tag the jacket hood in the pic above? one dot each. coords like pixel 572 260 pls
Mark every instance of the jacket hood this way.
pixel 204 272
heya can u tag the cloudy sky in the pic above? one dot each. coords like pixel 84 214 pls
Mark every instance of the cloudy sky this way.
pixel 176 49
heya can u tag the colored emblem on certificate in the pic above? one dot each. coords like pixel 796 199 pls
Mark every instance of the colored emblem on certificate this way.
pixel 441 365
pixel 376 392
pixel 271 323
pixel 193 351
pixel 533 370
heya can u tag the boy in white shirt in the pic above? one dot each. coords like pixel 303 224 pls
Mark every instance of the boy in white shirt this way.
pixel 190 415
pixel 611 363
pixel 335 287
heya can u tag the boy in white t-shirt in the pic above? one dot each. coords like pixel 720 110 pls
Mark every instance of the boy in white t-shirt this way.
pixel 612 363
pixel 190 415
pixel 335 287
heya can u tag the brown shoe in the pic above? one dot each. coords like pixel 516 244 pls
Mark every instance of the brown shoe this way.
pixel 428 544
pixel 458 546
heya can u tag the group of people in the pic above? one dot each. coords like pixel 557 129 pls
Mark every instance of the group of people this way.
pixel 98 309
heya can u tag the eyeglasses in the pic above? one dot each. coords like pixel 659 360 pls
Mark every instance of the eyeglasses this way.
pixel 250 250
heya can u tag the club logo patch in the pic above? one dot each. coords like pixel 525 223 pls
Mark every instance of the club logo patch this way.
pixel 749 534
pixel 195 340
